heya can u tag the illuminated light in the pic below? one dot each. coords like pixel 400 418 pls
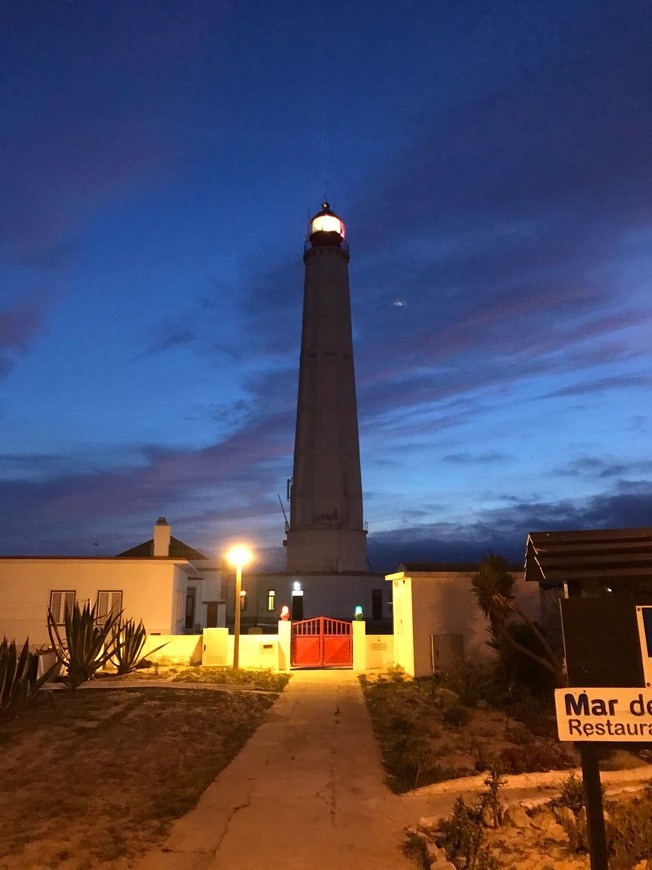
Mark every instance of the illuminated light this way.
pixel 358 612
pixel 327 223
pixel 296 586
pixel 239 556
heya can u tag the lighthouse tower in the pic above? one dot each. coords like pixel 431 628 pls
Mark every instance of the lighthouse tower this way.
pixel 326 532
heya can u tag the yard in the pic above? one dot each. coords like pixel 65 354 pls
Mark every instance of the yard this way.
pixel 93 778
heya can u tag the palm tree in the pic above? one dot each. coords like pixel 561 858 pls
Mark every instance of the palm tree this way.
pixel 493 586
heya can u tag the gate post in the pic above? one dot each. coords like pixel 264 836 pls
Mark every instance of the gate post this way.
pixel 359 638
pixel 284 644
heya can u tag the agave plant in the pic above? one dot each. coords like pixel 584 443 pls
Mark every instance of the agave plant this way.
pixel 18 681
pixel 89 642
pixel 128 642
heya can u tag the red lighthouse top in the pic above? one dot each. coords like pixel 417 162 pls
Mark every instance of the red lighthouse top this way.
pixel 326 228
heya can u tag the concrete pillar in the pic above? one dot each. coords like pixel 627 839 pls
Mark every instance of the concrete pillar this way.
pixel 359 645
pixel 284 645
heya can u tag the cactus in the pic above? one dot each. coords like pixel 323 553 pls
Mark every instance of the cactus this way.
pixel 18 681
pixel 128 642
pixel 88 645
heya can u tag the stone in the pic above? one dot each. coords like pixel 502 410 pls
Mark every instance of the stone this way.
pixel 566 817
pixel 544 820
pixel 428 824
pixel 435 854
pixel 556 833
pixel 516 817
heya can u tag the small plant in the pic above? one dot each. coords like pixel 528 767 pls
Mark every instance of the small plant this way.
pixel 534 757
pixel 629 832
pixel 456 716
pixel 88 645
pixel 464 835
pixel 491 807
pixel 127 644
pixel 572 795
pixel 18 681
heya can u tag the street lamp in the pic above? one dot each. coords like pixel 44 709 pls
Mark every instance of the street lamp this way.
pixel 239 557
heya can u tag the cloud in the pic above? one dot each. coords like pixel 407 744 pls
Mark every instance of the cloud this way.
pixel 20 324
pixel 505 530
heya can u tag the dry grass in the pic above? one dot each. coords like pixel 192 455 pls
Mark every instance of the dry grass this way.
pixel 92 779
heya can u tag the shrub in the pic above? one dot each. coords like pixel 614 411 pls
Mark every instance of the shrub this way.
pixel 464 835
pixel 456 715
pixel 534 757
pixel 629 832
pixel 18 681
pixel 127 642
pixel 88 645
pixel 572 795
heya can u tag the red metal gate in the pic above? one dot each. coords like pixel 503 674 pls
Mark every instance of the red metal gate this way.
pixel 322 643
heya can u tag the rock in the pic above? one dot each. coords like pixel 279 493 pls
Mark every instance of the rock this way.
pixel 435 855
pixel 428 824
pixel 566 817
pixel 544 820
pixel 556 833
pixel 516 817
pixel 442 865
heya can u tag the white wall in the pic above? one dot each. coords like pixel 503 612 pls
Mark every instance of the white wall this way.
pixel 323 595
pixel 442 602
pixel 147 586
pixel 182 649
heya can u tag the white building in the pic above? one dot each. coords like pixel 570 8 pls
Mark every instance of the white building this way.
pixel 173 588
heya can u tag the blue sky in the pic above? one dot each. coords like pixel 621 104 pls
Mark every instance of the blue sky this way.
pixel 493 164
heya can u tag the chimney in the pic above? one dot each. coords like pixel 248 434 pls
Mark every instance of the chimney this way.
pixel 161 543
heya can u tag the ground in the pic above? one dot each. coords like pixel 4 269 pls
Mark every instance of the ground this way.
pixel 88 780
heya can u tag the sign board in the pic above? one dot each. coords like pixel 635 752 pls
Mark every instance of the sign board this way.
pixel 601 642
pixel 644 619
pixel 605 714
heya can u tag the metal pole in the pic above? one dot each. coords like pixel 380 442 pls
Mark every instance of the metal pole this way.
pixel 594 811
pixel 236 626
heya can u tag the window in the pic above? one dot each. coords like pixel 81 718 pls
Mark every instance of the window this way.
pixel 271 599
pixel 191 597
pixel 109 603
pixel 376 604
pixel 61 600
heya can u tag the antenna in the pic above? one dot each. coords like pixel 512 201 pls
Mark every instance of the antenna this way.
pixel 285 516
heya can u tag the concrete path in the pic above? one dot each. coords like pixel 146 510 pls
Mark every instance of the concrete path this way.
pixel 306 791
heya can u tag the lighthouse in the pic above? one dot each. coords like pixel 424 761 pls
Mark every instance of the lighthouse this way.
pixel 326 533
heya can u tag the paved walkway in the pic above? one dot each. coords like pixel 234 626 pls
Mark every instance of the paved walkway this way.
pixel 306 791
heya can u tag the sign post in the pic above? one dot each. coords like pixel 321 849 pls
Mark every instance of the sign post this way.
pixel 603 643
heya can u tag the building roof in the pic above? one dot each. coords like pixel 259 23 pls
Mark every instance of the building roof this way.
pixel 178 550
pixel 448 567
pixel 608 555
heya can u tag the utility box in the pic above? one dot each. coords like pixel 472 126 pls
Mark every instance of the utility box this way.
pixel 446 651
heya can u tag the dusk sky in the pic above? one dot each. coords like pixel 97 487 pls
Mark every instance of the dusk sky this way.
pixel 160 160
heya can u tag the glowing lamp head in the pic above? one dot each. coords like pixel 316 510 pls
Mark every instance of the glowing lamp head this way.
pixel 326 228
pixel 239 556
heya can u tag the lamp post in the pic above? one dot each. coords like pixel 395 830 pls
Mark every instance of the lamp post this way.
pixel 239 557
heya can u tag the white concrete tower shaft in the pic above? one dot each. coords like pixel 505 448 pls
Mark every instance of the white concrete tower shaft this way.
pixel 326 531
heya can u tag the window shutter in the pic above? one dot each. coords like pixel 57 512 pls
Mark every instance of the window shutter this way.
pixel 55 606
pixel 102 605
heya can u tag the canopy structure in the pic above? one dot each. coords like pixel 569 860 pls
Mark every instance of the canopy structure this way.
pixel 608 557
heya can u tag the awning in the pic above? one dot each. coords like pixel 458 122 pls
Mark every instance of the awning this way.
pixel 606 556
